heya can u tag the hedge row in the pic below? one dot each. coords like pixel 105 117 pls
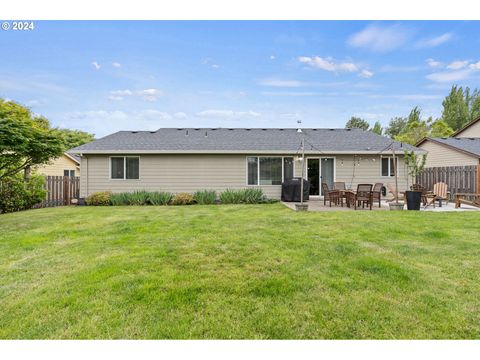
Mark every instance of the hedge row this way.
pixel 204 197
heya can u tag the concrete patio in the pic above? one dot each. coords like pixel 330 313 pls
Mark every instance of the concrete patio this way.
pixel 317 205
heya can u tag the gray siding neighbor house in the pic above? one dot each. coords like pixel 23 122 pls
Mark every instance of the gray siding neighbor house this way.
pixel 187 160
pixel 461 149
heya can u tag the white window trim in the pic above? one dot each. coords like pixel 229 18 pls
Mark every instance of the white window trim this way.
pixel 319 158
pixel 124 167
pixel 389 163
pixel 258 167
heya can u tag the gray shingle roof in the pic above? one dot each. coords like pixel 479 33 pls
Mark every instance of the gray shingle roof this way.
pixel 471 145
pixel 240 140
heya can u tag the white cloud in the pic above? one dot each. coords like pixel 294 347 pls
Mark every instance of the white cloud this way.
pixel 150 94
pixel 457 64
pixel 328 64
pixel 434 41
pixel 379 38
pixel 147 94
pixel 116 65
pixel 450 76
pixel 282 83
pixel 180 115
pixel 475 66
pixel 433 63
pixel 272 57
pixel 215 66
pixel 227 114
pixel 96 65
pixel 366 74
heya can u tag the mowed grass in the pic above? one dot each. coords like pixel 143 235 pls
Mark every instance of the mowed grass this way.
pixel 219 272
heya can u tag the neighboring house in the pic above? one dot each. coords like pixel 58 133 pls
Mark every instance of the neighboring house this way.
pixel 66 165
pixel 179 160
pixel 461 149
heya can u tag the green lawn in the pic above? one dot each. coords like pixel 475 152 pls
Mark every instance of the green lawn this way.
pixel 259 271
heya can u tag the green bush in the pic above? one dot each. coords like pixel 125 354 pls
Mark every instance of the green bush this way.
pixel 205 197
pixel 119 199
pixel 17 194
pixel 182 199
pixel 99 198
pixel 243 196
pixel 253 196
pixel 138 198
pixel 160 198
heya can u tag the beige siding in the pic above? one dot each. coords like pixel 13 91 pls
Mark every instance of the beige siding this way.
pixel 471 131
pixel 56 167
pixel 177 173
pixel 439 155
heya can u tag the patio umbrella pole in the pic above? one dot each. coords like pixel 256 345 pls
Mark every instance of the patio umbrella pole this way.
pixel 303 170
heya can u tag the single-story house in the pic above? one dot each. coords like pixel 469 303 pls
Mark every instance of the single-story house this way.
pixel 187 160
pixel 461 149
pixel 66 165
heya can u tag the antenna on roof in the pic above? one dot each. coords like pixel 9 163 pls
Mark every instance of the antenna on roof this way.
pixel 299 122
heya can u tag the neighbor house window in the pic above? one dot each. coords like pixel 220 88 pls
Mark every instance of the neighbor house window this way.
pixel 70 173
pixel 387 166
pixel 265 170
pixel 124 167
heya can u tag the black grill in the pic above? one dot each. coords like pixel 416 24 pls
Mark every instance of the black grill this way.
pixel 291 190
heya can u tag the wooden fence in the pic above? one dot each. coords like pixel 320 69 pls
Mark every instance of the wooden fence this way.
pixel 60 190
pixel 460 179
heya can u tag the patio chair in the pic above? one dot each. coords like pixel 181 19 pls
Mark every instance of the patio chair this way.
pixel 339 185
pixel 377 193
pixel 418 187
pixel 330 195
pixel 439 193
pixel 364 195
pixel 392 189
pixel 467 199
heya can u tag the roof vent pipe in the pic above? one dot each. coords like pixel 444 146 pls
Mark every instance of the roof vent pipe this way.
pixel 206 134
pixel 186 132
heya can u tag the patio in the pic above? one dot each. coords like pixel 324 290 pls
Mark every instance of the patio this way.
pixel 317 205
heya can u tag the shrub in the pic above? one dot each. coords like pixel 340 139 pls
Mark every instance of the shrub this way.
pixel 138 198
pixel 160 198
pixel 182 199
pixel 17 194
pixel 243 196
pixel 205 197
pixel 119 199
pixel 101 198
pixel 252 196
pixel 230 196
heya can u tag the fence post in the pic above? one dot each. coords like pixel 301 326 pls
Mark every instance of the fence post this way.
pixel 66 191
pixel 477 188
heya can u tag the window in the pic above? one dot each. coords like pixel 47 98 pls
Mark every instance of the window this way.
pixel 287 168
pixel 387 166
pixel 70 173
pixel 264 170
pixel 252 170
pixel 124 167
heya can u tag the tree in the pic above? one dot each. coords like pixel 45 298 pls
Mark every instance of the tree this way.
pixel 357 123
pixel 415 164
pixel 460 107
pixel 25 140
pixel 396 126
pixel 439 128
pixel 415 129
pixel 74 138
pixel 377 128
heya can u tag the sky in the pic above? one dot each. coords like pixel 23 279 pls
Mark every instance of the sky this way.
pixel 107 76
